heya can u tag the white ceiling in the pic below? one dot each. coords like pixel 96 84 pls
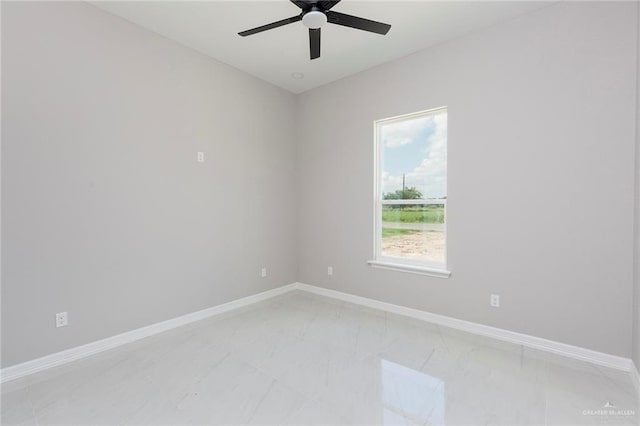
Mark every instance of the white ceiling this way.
pixel 211 27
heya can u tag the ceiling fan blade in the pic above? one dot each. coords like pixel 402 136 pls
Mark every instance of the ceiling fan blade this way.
pixel 326 5
pixel 271 26
pixel 300 3
pixel 314 42
pixel 358 23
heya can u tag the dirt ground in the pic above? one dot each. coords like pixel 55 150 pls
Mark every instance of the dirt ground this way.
pixel 422 245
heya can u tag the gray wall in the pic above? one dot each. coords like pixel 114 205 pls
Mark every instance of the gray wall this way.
pixel 106 213
pixel 542 120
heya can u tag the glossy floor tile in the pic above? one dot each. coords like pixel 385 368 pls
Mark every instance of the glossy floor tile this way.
pixel 301 359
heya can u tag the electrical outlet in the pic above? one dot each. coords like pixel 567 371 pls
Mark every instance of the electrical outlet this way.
pixel 264 272
pixel 330 270
pixel 62 319
pixel 200 157
pixel 495 300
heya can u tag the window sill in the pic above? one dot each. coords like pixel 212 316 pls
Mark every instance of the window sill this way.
pixel 420 270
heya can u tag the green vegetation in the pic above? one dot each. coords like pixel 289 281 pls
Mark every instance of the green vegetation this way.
pixel 410 213
pixel 392 232
pixel 433 213
pixel 410 193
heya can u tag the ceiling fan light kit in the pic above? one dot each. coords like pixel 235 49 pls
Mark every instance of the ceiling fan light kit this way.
pixel 314 19
pixel 317 13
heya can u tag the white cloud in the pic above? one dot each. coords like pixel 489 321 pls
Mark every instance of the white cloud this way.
pixel 404 132
pixel 429 177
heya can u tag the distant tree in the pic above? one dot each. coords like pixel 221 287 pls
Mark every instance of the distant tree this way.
pixel 410 193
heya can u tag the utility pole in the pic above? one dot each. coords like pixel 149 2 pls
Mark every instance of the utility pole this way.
pixel 403 188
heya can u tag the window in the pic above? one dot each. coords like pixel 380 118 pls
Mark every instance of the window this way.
pixel 411 192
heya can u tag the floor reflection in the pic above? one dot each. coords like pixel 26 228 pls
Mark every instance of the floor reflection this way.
pixel 410 396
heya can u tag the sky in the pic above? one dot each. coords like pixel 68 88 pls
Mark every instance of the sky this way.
pixel 418 149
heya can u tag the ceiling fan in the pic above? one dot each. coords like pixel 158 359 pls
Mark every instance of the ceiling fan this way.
pixel 316 13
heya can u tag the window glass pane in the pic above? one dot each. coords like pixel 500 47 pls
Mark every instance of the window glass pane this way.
pixel 413 166
pixel 414 232
pixel 414 157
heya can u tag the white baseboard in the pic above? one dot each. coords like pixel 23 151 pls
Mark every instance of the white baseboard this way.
pixel 588 355
pixel 66 356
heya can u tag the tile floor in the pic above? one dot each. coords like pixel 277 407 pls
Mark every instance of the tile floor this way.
pixel 306 359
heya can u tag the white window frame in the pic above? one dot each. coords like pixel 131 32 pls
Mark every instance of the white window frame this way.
pixel 435 269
